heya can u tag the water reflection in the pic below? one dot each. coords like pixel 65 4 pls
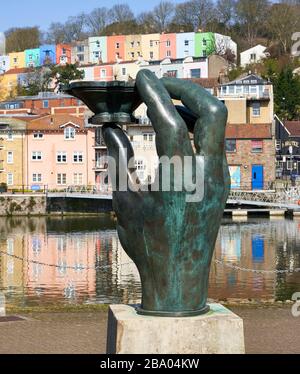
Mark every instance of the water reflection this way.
pixel 86 263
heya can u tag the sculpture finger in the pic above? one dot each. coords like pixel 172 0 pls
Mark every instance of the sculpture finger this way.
pixel 209 131
pixel 172 137
pixel 121 154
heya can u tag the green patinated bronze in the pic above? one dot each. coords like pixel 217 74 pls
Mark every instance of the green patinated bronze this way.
pixel 170 240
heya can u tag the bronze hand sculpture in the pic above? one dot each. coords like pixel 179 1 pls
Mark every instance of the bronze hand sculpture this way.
pixel 171 240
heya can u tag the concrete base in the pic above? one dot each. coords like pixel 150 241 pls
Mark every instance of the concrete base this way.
pixel 277 213
pixel 217 332
pixel 2 305
pixel 240 213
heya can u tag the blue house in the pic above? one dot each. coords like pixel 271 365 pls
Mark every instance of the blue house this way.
pixel 47 54
pixel 32 57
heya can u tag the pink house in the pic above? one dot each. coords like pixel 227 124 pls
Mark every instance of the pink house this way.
pixel 167 46
pixel 60 152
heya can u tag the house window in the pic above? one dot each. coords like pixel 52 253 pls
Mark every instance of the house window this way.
pixel 61 179
pixel 132 54
pixel 204 53
pixel 103 73
pixel 238 90
pixel 253 57
pixel 168 43
pixel 38 136
pixel 257 146
pixel 140 168
pixel 117 45
pixel 195 73
pixel 151 54
pixel 77 157
pixel 151 43
pixel 148 137
pixel 80 49
pixel 132 44
pixel 78 178
pixel 224 90
pixel 30 57
pixel 61 157
pixel 186 43
pixel 123 71
pixel 46 104
pixel 70 133
pixel 231 90
pixel 204 42
pixel 253 90
pixel 37 178
pixel 97 54
pixel 10 136
pixel 36 156
pixel 230 145
pixel 15 60
pixel 80 58
pixel 10 179
pixel 278 145
pixel 168 54
pixel 289 165
pixel 10 157
pixel 256 109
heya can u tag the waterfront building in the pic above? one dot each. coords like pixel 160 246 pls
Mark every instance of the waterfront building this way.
pixel 59 152
pixel 250 140
pixel 13 152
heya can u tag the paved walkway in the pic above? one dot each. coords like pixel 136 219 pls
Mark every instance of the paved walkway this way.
pixel 267 330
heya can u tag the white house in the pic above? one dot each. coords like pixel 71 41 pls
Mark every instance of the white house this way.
pixel 225 43
pixel 253 55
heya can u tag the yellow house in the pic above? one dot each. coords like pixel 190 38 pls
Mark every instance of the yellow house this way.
pixel 126 71
pixel 8 84
pixel 13 152
pixel 133 48
pixel 17 60
pixel 150 46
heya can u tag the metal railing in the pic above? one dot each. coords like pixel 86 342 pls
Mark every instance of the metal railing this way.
pixel 23 189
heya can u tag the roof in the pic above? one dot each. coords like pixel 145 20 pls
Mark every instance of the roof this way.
pixel 205 82
pixel 55 122
pixel 249 80
pixel 254 48
pixel 249 131
pixel 293 127
pixel 19 71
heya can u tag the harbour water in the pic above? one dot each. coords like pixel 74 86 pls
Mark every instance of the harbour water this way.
pixel 80 260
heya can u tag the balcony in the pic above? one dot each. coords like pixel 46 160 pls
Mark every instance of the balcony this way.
pixel 249 93
pixel 101 164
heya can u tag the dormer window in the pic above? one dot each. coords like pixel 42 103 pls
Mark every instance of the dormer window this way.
pixel 70 133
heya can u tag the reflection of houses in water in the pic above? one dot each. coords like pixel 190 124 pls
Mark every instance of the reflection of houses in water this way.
pixel 75 250
pixel 244 245
pixel 117 276
pixel 261 245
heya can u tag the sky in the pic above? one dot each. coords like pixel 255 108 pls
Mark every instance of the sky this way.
pixel 18 13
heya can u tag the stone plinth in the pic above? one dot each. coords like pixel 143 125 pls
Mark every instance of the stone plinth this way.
pixel 218 332
pixel 2 305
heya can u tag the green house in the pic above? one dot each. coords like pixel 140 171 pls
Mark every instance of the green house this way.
pixel 205 44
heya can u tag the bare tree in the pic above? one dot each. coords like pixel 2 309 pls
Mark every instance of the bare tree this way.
pixel 121 13
pixel 226 11
pixel 281 31
pixel 97 20
pixel 146 21
pixel 197 13
pixel 252 16
pixel 75 28
pixel 55 33
pixel 162 15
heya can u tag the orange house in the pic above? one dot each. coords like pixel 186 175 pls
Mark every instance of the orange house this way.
pixel 116 47
pixel 63 54
pixel 167 46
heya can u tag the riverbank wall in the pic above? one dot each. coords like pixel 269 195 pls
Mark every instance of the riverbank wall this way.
pixel 42 205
